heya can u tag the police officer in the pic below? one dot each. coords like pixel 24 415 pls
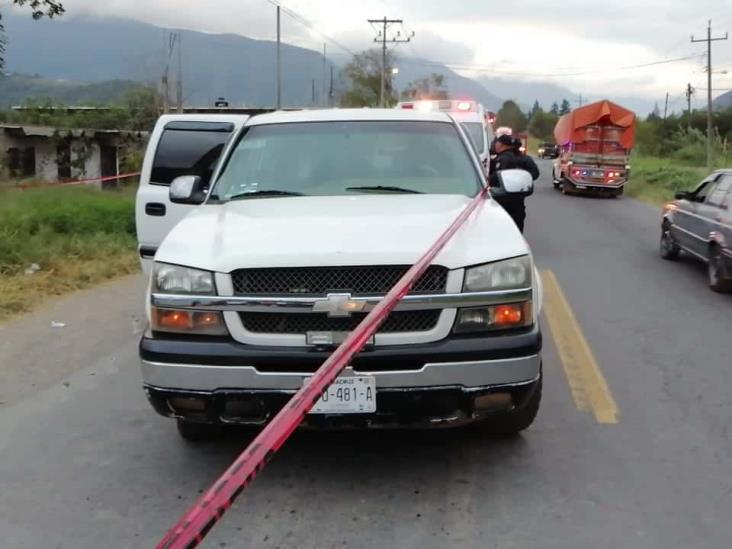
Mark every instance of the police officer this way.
pixel 509 157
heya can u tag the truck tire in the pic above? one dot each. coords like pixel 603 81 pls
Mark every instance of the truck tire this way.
pixel 567 187
pixel 199 432
pixel 717 279
pixel 512 423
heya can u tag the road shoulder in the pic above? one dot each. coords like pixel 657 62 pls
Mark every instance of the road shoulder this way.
pixel 43 348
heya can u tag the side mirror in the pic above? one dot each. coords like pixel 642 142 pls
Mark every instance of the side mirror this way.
pixel 515 182
pixel 187 189
pixel 682 195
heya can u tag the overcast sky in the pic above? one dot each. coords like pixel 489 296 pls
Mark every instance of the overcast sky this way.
pixel 528 39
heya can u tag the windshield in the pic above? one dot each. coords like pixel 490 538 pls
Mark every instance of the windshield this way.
pixel 477 135
pixel 348 158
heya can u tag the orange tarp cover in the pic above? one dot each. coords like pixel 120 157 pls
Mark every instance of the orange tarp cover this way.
pixel 571 127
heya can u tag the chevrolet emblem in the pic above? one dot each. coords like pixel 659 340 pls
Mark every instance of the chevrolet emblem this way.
pixel 338 305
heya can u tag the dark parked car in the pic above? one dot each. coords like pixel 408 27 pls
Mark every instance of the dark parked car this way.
pixel 699 222
pixel 548 150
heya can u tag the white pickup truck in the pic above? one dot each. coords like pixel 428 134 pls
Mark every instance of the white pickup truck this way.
pixel 310 218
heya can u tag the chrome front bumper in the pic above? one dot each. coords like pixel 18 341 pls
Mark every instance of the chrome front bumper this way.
pixel 466 375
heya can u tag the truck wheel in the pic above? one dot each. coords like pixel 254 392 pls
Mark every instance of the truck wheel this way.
pixel 566 185
pixel 514 422
pixel 668 247
pixel 199 432
pixel 717 280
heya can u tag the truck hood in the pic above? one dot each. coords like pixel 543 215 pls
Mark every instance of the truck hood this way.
pixel 338 230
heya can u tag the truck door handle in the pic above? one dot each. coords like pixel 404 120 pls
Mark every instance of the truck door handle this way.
pixel 155 208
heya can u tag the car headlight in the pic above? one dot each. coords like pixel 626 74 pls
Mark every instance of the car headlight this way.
pixel 510 274
pixel 173 279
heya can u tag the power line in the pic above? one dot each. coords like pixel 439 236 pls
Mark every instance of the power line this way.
pixel 305 22
pixel 493 70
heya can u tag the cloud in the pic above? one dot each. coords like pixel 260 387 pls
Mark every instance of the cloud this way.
pixel 525 39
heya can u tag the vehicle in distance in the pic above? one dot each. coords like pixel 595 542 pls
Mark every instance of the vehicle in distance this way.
pixel 548 150
pixel 470 114
pixel 595 142
pixel 699 222
pixel 252 291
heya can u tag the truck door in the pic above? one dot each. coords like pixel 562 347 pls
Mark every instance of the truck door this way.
pixel 183 148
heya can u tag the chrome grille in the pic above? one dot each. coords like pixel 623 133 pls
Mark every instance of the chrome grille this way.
pixel 277 323
pixel 319 281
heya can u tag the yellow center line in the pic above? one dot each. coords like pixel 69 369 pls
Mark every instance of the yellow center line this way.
pixel 586 382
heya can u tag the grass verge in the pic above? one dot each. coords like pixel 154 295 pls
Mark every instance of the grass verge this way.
pixel 77 237
pixel 656 180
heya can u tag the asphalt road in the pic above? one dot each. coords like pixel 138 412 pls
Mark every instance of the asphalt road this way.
pixel 84 462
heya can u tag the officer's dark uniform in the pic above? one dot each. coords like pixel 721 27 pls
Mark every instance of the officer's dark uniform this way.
pixel 512 159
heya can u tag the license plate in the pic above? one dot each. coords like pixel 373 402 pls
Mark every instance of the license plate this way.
pixel 598 174
pixel 348 395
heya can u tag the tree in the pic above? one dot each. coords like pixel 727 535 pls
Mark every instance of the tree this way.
pixel 363 75
pixel 511 115
pixel 555 108
pixel 655 114
pixel 39 9
pixel 535 109
pixel 542 125
pixel 431 87
pixel 565 108
pixel 143 108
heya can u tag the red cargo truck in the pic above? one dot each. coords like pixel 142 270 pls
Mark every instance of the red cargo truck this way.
pixel 595 143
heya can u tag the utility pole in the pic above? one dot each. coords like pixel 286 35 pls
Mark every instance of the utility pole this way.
pixel 325 95
pixel 331 91
pixel 314 98
pixel 580 100
pixel 170 48
pixel 279 62
pixel 709 41
pixel 689 93
pixel 180 75
pixel 665 109
pixel 164 78
pixel 382 37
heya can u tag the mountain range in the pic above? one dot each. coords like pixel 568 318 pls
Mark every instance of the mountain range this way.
pixel 723 102
pixel 75 58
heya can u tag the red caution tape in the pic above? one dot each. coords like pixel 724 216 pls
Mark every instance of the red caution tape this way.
pixel 208 510
pixel 78 181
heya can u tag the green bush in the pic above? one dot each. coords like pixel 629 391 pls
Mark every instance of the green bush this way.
pixel 41 225
pixel 658 179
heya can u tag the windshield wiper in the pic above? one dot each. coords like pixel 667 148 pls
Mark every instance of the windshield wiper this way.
pixel 264 193
pixel 384 188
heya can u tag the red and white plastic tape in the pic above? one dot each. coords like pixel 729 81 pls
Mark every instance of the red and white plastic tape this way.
pixel 208 510
pixel 77 181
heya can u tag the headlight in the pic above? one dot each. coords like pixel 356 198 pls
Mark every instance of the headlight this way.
pixel 510 274
pixel 172 279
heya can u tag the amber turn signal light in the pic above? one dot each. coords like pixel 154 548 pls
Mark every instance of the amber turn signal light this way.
pixel 508 315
